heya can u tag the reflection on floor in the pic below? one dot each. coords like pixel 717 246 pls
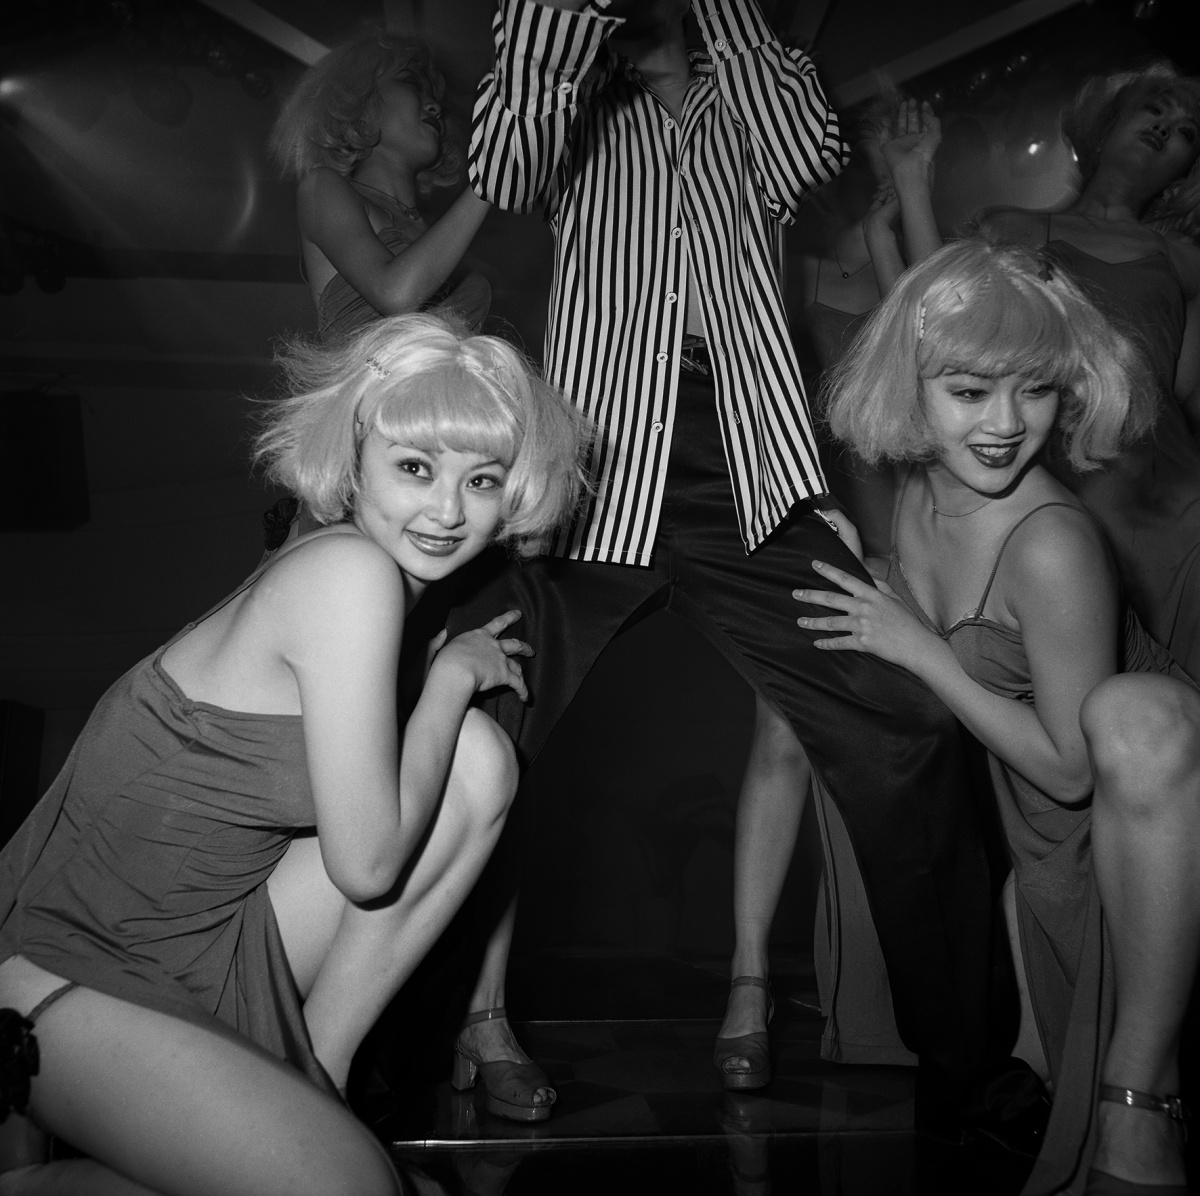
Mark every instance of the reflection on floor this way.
pixel 641 1110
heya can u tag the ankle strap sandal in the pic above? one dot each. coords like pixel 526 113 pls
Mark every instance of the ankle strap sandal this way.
pixel 1100 1183
pixel 1173 1106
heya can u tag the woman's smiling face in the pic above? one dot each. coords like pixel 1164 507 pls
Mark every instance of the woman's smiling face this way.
pixel 988 430
pixel 431 509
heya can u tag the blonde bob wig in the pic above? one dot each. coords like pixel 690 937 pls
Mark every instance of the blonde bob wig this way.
pixel 425 381
pixel 989 309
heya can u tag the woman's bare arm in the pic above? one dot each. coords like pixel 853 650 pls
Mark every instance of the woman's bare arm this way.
pixel 1067 612
pixel 340 606
pixel 333 218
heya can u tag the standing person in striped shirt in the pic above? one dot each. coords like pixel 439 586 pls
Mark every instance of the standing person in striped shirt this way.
pixel 666 176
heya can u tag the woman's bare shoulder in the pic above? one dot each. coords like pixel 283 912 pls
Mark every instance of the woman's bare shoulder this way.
pixel 1057 550
pixel 338 572
pixel 321 191
pixel 324 180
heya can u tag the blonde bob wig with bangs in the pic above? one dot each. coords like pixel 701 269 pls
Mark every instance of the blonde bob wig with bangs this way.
pixel 425 381
pixel 988 309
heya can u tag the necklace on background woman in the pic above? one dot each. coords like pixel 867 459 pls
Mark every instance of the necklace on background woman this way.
pixel 848 273
pixel 393 204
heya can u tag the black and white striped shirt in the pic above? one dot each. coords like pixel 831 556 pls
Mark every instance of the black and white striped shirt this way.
pixel 635 199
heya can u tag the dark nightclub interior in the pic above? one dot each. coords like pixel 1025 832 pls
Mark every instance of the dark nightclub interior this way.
pixel 149 264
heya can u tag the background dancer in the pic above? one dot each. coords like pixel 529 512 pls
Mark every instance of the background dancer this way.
pixel 365 135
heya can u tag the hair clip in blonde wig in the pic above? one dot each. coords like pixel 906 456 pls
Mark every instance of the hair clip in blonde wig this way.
pixel 921 324
pixel 378 370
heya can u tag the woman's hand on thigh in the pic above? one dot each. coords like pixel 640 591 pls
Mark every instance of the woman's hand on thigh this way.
pixel 872 619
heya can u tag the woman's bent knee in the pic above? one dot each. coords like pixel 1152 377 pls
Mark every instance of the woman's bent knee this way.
pixel 1143 733
pixel 485 767
pixel 370 1174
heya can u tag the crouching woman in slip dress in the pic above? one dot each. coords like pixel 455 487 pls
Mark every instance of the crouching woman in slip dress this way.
pixel 1001 594
pixel 197 970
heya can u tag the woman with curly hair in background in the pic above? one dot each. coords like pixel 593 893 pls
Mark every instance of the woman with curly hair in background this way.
pixel 366 136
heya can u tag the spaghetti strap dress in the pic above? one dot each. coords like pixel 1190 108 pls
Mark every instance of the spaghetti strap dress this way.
pixel 1067 959
pixel 142 872
pixel 1148 499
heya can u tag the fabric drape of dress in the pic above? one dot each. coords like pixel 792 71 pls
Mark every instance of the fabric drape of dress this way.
pixel 142 872
pixel 1067 958
pixel 852 982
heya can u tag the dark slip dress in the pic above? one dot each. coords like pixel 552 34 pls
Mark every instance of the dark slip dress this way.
pixel 1067 958
pixel 142 872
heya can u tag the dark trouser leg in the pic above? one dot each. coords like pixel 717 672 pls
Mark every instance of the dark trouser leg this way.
pixel 570 612
pixel 890 752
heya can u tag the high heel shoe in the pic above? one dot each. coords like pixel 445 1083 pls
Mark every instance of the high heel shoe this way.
pixel 754 1048
pixel 510 1086
pixel 1101 1183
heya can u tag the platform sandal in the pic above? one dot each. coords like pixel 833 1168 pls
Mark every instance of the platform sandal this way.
pixel 754 1048
pixel 1101 1183
pixel 510 1086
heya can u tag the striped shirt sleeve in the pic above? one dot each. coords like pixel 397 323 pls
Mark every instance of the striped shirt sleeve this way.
pixel 525 107
pixel 773 92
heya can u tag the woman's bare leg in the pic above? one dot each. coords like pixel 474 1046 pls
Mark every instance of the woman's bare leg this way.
pixel 350 960
pixel 1144 737
pixel 493 1040
pixel 164 1106
pixel 770 805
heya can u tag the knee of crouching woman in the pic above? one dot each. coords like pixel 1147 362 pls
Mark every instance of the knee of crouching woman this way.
pixel 1143 733
pixel 485 765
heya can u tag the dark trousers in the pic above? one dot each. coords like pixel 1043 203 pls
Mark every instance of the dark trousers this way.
pixel 891 754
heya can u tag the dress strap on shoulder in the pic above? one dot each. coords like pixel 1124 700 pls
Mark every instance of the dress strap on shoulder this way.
pixel 212 610
pixel 906 473
pixel 1012 531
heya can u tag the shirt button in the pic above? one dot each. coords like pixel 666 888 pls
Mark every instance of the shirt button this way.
pixel 662 357
pixel 564 88
pixel 668 123
pixel 719 44
pixel 671 296
pixel 656 426
pixel 676 233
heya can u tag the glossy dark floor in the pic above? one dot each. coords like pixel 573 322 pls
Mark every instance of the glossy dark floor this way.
pixel 641 1110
